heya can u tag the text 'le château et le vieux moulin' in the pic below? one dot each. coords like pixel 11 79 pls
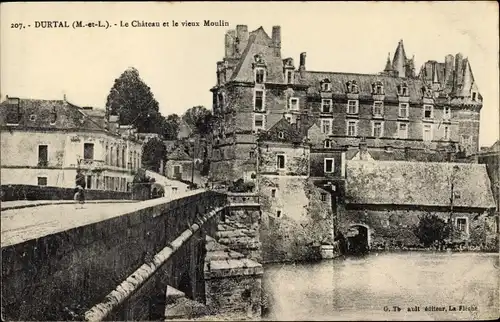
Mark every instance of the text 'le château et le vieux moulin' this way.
pixel 132 23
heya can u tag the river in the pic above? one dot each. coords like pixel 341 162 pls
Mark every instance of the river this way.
pixel 385 286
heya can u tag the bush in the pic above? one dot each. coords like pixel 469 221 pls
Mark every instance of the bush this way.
pixel 241 186
pixel 431 229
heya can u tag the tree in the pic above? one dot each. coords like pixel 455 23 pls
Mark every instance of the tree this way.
pixel 171 126
pixel 200 119
pixel 430 229
pixel 134 103
pixel 153 152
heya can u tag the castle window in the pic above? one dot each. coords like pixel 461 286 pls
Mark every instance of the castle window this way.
pixel 323 197
pixel 273 193
pixel 378 108
pixel 328 165
pixel 403 110
pixel 32 117
pixel 280 161
pixel 260 75
pixel 326 126
pixel 289 77
pixel 352 107
pixel 294 104
pixel 328 144
pixel 462 224
pixel 43 155
pixel 427 135
pixel 377 129
pixel 446 132
pixel 251 154
pixel 259 100
pixel 428 109
pixel 42 181
pixel 474 94
pixel 402 130
pixel 281 135
pixel 259 122
pixel 278 213
pixel 326 105
pixel 352 128
pixel 447 112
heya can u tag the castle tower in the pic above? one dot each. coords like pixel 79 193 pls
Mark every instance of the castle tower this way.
pixel 399 60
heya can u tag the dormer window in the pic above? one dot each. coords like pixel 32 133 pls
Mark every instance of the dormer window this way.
pixel 326 86
pixel 289 76
pixel 260 75
pixel 377 88
pixel 281 135
pixel 328 144
pixel 352 87
pixel 32 117
pixel 403 89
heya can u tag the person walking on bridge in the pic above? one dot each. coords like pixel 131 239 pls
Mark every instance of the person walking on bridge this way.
pixel 80 187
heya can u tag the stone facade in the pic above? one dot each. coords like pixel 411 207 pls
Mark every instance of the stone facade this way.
pixel 431 116
pixel 58 137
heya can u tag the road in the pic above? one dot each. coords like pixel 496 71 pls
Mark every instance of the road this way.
pixel 19 225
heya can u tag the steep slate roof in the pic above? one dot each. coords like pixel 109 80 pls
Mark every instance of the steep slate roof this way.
pixel 36 114
pixel 179 155
pixel 259 43
pixel 364 82
pixel 290 133
pixel 418 183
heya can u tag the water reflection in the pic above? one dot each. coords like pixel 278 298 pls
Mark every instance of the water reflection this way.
pixel 360 288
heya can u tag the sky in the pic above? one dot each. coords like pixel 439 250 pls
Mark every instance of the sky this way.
pixel 179 63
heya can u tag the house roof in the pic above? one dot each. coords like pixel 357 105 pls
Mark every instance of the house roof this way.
pixel 282 131
pixel 179 155
pixel 418 183
pixel 38 114
pixel 364 82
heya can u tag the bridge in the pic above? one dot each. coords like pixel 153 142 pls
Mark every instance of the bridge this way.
pixel 192 254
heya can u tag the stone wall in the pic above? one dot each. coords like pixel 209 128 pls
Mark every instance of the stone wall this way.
pixel 393 226
pixel 297 218
pixel 77 268
pixel 239 226
pixel 28 192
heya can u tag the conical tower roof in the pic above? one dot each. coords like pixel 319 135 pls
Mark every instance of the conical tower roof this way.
pixel 388 65
pixel 399 60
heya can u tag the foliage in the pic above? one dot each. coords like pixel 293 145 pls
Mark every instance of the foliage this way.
pixel 141 177
pixel 241 186
pixel 153 152
pixel 200 119
pixel 132 100
pixel 430 229
pixel 171 126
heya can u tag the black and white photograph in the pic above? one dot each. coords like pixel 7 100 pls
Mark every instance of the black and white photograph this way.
pixel 250 161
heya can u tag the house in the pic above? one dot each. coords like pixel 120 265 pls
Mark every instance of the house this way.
pixel 179 165
pixel 387 198
pixel 298 214
pixel 398 114
pixel 44 142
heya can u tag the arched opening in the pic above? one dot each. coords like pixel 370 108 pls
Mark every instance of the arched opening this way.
pixel 185 285
pixel 358 239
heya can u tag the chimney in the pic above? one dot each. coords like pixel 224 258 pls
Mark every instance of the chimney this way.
pixel 242 37
pixel 449 68
pixel 302 65
pixel 113 123
pixel 458 72
pixel 229 43
pixel 276 37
